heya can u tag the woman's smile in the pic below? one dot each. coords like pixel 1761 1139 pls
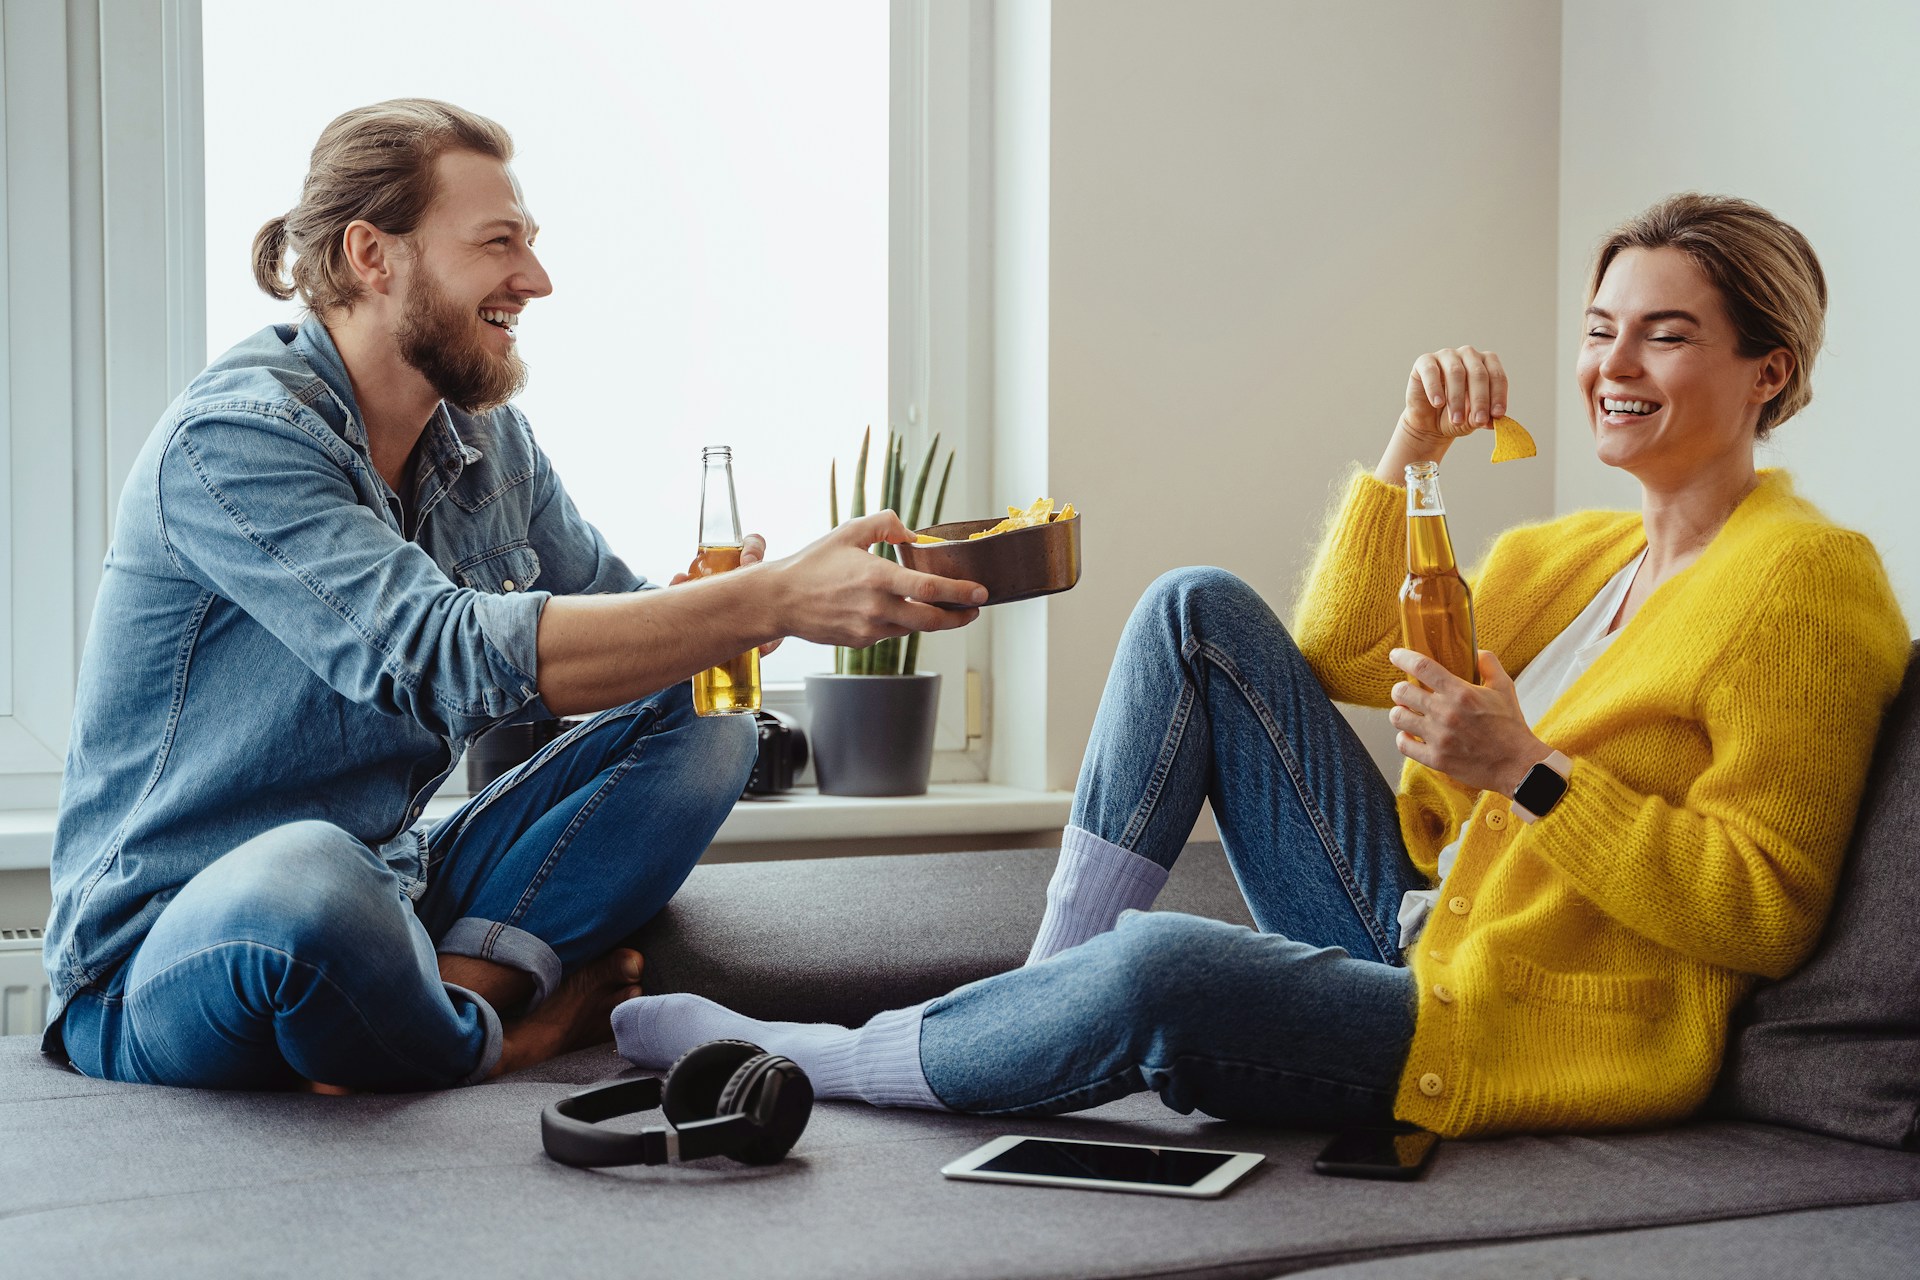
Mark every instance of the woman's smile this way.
pixel 1626 411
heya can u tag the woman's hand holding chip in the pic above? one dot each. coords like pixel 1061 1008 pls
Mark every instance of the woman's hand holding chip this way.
pixel 1450 393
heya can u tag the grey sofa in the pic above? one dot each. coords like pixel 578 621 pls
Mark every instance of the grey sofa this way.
pixel 1803 1165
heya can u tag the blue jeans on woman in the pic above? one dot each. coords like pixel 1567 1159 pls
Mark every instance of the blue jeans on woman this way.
pixel 301 954
pixel 1306 1022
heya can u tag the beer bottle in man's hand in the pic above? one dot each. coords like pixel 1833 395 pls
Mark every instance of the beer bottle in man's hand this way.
pixel 734 685
pixel 1436 608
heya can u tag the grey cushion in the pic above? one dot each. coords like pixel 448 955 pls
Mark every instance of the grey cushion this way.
pixel 1869 1242
pixel 1835 1046
pixel 840 939
pixel 99 1178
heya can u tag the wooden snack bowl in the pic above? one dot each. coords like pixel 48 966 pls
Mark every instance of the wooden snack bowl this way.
pixel 1016 565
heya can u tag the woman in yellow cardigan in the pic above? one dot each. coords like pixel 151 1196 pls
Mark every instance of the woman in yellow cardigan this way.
pixel 1698 688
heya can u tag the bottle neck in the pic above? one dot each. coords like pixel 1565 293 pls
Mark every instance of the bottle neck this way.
pixel 1429 547
pixel 1423 490
pixel 719 511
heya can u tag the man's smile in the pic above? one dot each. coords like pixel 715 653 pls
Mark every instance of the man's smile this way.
pixel 502 319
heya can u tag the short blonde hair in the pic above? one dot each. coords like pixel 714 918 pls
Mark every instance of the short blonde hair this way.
pixel 374 164
pixel 1766 272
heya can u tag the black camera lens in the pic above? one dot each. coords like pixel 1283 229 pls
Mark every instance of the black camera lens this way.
pixel 506 747
pixel 782 754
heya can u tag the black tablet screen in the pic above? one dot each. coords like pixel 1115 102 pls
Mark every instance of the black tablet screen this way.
pixel 1158 1166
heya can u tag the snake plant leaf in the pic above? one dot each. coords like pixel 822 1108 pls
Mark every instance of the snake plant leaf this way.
pixel 940 498
pixel 920 483
pixel 888 502
pixel 886 476
pixel 899 477
pixel 858 503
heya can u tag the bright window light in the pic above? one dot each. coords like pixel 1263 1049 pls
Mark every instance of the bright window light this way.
pixel 711 185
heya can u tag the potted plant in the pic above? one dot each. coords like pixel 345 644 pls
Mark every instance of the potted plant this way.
pixel 873 718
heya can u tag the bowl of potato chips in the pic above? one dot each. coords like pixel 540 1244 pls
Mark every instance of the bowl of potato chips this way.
pixel 1034 552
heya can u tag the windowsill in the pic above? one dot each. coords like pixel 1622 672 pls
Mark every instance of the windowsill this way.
pixel 948 809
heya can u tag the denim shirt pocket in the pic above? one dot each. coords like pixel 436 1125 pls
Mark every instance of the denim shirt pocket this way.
pixel 514 567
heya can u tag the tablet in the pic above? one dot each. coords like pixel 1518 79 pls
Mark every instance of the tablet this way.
pixel 1104 1166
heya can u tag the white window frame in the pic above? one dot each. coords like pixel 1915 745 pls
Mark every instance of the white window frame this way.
pixel 939 311
pixel 101 324
pixel 37 651
pixel 105 316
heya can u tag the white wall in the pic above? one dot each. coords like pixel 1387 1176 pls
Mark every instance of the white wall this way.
pixel 1814 112
pixel 1260 215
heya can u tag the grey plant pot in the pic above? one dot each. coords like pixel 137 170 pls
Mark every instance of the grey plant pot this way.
pixel 873 735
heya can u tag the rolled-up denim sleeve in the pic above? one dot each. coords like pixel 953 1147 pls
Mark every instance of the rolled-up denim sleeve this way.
pixel 260 508
pixel 574 558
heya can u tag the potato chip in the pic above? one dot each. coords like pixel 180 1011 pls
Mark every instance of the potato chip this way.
pixel 1038 513
pixel 1041 512
pixel 1510 441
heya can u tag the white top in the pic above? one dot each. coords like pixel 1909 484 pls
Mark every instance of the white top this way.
pixel 1564 660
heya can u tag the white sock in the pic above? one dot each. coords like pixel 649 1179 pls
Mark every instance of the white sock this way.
pixel 878 1063
pixel 1094 881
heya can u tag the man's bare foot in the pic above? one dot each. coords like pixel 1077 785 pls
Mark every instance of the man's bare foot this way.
pixel 326 1090
pixel 574 1016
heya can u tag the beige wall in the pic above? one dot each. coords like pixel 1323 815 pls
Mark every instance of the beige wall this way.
pixel 1814 111
pixel 1260 214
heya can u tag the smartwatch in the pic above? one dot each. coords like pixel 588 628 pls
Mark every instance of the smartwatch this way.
pixel 1542 788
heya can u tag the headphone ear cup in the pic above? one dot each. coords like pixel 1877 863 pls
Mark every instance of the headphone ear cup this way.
pixel 701 1074
pixel 741 1096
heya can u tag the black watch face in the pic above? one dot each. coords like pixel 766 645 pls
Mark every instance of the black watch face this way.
pixel 1540 791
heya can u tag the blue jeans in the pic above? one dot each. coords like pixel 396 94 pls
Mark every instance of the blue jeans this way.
pixel 1306 1022
pixel 301 954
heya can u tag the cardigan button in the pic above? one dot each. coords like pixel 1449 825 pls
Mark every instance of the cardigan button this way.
pixel 1496 818
pixel 1442 993
pixel 1431 1085
pixel 1435 953
pixel 1459 906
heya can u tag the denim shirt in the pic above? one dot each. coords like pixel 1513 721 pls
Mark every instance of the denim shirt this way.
pixel 270 644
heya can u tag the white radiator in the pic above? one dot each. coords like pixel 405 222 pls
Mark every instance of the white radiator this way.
pixel 23 983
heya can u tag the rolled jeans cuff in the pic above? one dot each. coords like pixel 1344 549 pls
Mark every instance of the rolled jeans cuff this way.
pixel 504 944
pixel 496 1035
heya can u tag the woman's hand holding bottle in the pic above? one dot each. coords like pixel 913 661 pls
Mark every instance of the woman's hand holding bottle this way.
pixel 1475 734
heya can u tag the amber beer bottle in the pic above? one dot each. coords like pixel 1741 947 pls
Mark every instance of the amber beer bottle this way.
pixel 733 686
pixel 1436 608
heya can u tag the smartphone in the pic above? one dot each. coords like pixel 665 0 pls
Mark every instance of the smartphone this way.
pixel 1104 1166
pixel 1397 1153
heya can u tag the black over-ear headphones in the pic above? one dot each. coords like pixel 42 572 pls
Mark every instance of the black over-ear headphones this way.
pixel 723 1098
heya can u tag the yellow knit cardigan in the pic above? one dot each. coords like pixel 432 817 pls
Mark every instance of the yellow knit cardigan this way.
pixel 1578 973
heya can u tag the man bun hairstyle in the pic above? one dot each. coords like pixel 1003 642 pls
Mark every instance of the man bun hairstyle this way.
pixel 372 164
pixel 1766 272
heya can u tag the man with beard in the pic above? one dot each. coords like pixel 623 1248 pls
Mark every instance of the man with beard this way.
pixel 340 558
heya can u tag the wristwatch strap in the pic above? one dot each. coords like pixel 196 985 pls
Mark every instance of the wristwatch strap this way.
pixel 1556 761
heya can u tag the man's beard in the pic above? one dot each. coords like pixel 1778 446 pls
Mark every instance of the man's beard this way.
pixel 438 339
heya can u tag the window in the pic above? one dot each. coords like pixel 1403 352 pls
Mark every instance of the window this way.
pixel 711 183
pixel 766 223
pixel 731 200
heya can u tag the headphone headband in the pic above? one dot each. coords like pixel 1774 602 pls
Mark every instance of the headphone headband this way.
pixel 759 1129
